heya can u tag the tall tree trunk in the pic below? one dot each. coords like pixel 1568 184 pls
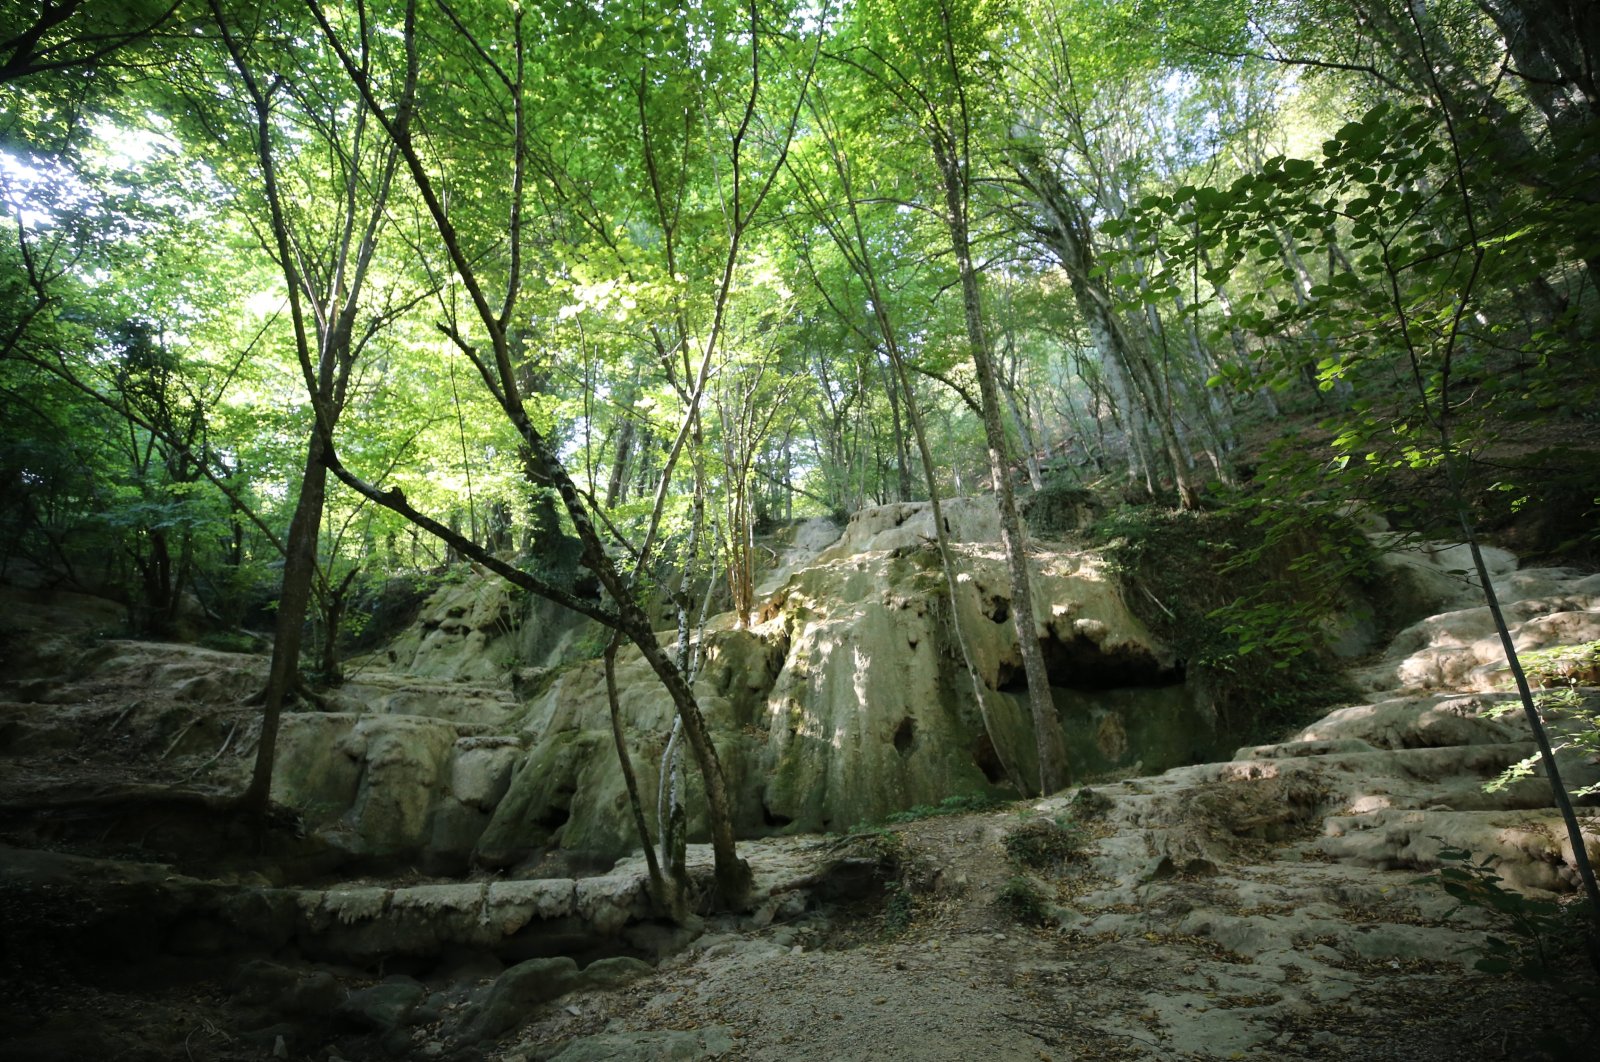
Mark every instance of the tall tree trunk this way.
pixel 1066 231
pixel 1050 742
pixel 294 602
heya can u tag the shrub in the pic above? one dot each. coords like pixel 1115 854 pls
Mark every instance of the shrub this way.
pixel 1021 901
pixel 1538 930
pixel 959 804
pixel 1044 844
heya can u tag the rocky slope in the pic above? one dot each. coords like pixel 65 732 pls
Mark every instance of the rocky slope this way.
pixel 472 741
pixel 1263 905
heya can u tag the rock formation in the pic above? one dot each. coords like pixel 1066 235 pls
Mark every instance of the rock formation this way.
pixel 844 702
pixel 1264 900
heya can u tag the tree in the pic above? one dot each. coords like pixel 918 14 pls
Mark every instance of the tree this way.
pixel 325 250
pixel 78 36
pixel 499 364
pixel 922 54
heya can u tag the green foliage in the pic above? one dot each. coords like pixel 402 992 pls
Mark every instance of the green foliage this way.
pixel 1563 667
pixel 1021 900
pixel 140 254
pixel 1045 844
pixel 899 908
pixel 1246 596
pixel 960 804
pixel 1560 671
pixel 1538 932
pixel 1419 330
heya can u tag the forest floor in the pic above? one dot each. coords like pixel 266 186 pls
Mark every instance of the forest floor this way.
pixel 951 973
pixel 942 974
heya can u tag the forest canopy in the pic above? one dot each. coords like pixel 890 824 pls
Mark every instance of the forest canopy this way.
pixel 300 295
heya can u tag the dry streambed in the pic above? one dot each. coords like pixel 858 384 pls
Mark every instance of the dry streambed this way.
pixel 1267 906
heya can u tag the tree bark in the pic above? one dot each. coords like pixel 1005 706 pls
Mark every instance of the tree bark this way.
pixel 1050 742
pixel 668 899
pixel 294 599
pixel 1066 232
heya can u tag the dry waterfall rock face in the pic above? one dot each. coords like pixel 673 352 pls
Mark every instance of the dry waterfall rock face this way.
pixel 1246 905
pixel 844 700
pixel 1384 785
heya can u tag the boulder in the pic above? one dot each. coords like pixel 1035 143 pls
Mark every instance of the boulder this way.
pixel 461 633
pixel 384 1007
pixel 286 991
pixel 899 525
pixel 520 988
pixel 615 972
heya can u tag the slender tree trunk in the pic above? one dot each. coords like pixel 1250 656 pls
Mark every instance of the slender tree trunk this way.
pixel 333 619
pixel 666 898
pixel 1047 734
pixel 902 463
pixel 1030 446
pixel 294 601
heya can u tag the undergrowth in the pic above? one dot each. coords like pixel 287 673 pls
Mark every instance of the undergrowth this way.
pixel 1248 596
pixel 1020 900
pixel 1535 936
pixel 1043 844
pixel 1560 674
pixel 959 804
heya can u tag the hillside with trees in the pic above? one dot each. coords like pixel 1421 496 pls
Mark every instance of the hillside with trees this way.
pixel 320 319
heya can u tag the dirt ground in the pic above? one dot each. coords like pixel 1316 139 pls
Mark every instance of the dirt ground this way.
pixel 953 975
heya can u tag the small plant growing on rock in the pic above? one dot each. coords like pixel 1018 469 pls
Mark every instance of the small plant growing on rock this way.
pixel 1020 900
pixel 1536 926
pixel 1044 843
pixel 1581 732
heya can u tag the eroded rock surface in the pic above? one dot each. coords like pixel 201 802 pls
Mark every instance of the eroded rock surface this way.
pixel 1266 904
pixel 844 700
